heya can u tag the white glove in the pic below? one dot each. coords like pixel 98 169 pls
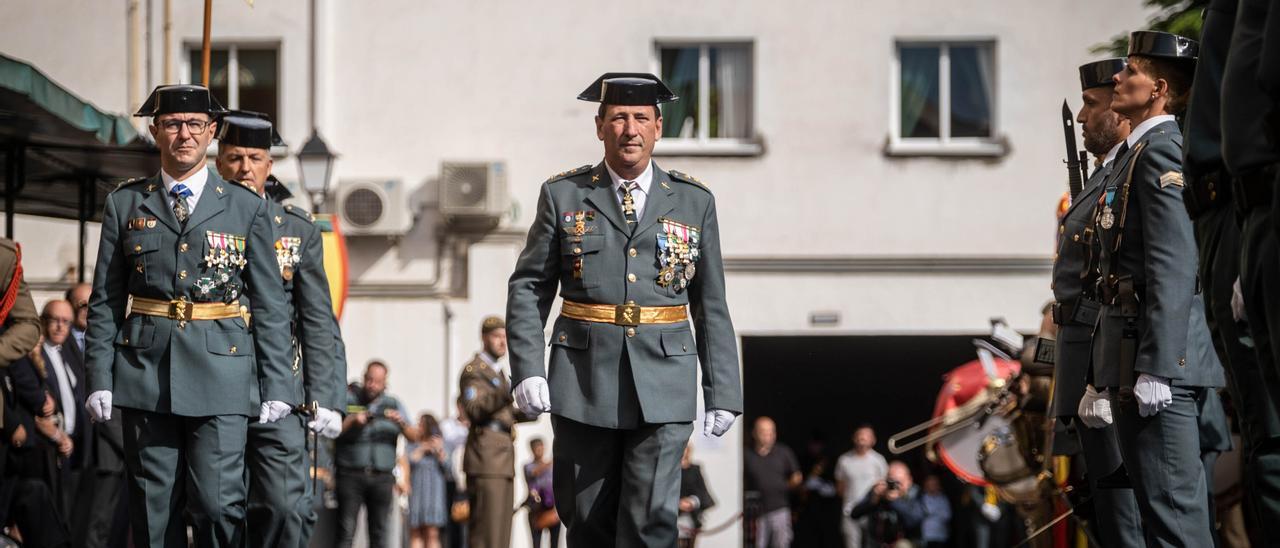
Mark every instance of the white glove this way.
pixel 533 396
pixel 273 411
pixel 1152 393
pixel 717 422
pixel 99 406
pixel 990 511
pixel 327 423
pixel 1095 408
pixel 1237 302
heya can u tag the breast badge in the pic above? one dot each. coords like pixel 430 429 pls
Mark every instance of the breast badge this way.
pixel 678 251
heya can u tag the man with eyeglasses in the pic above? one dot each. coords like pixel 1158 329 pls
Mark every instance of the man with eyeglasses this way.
pixel 169 341
pixel 65 381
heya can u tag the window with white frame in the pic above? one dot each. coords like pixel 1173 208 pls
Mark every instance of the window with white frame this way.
pixel 716 108
pixel 944 99
pixel 243 77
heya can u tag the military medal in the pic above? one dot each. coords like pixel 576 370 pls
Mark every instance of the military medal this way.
pixel 288 255
pixel 1108 218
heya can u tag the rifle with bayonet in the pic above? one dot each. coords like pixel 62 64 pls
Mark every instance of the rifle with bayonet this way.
pixel 1077 163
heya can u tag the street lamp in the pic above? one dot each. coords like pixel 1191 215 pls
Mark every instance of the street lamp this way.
pixel 315 165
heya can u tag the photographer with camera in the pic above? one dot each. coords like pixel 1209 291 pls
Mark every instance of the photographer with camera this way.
pixel 366 455
pixel 894 510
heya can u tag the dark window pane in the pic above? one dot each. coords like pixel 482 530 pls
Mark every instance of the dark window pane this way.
pixel 217 72
pixel 680 72
pixel 971 81
pixel 258 81
pixel 919 94
pixel 730 92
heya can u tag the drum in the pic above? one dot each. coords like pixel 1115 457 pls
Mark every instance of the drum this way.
pixel 970 395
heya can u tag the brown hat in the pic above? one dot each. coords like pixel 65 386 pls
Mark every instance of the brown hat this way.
pixel 491 323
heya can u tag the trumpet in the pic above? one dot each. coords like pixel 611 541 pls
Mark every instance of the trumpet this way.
pixel 995 400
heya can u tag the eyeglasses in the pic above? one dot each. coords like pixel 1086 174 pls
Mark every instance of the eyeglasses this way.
pixel 195 127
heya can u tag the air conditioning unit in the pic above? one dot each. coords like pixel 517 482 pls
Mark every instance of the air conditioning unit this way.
pixel 473 194
pixel 373 207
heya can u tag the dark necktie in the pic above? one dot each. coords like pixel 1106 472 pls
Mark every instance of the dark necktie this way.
pixel 180 193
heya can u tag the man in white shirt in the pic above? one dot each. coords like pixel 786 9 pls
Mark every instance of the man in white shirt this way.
pixel 856 473
pixel 66 383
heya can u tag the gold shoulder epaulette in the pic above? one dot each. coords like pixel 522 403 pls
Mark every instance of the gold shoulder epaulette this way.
pixel 300 213
pixel 685 177
pixel 570 173
pixel 132 181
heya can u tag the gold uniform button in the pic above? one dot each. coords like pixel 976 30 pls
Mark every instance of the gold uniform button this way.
pixel 684 347
pixel 137 248
pixel 126 340
pixel 631 331
pixel 632 252
pixel 563 337
pixel 1061 229
pixel 183 247
pixel 182 275
pixel 233 349
pixel 1075 237
pixel 577 251
pixel 631 278
pixel 1182 362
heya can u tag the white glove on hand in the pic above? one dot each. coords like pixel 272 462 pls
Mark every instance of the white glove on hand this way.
pixel 717 422
pixel 990 511
pixel 1237 302
pixel 99 406
pixel 1152 393
pixel 273 411
pixel 1095 408
pixel 327 423
pixel 533 396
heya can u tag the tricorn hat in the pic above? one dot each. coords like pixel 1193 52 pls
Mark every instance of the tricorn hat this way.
pixel 628 88
pixel 248 129
pixel 1098 73
pixel 180 98
pixel 1150 43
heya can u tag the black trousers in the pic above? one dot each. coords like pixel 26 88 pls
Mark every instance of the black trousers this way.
pixel 371 489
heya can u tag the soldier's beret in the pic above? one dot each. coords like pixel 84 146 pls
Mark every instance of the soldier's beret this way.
pixel 628 88
pixel 491 323
pixel 180 98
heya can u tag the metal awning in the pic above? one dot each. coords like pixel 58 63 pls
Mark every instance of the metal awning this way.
pixel 60 155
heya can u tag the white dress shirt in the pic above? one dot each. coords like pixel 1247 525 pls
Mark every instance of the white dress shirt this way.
pixel 638 197
pixel 1111 154
pixel 66 381
pixel 195 183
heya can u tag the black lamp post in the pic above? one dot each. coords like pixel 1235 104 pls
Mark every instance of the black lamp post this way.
pixel 315 165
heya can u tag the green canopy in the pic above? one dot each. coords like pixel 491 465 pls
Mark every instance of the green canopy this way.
pixel 22 78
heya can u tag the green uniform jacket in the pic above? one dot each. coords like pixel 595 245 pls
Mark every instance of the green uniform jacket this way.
pixel 206 367
pixel 300 254
pixel 611 266
pixel 1074 277
pixel 1158 250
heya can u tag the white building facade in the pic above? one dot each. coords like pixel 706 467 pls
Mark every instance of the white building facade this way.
pixel 879 167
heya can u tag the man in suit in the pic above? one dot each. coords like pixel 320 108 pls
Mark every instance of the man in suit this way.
pixel 632 249
pixel 169 340
pixel 1151 348
pixel 65 381
pixel 279 486
pixel 1075 311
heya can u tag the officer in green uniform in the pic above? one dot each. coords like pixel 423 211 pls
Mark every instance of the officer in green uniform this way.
pixel 169 341
pixel 630 248
pixel 277 459
pixel 1075 310
pixel 490 458
pixel 1151 348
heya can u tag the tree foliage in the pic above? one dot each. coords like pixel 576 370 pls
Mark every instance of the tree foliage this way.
pixel 1181 17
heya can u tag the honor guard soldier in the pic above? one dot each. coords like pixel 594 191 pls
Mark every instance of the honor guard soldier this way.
pixel 1208 199
pixel 1151 348
pixel 277 459
pixel 1076 311
pixel 169 340
pixel 490 458
pixel 630 248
